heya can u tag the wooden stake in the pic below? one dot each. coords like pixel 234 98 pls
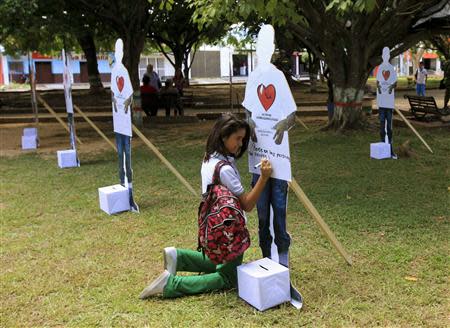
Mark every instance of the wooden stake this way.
pixel 412 128
pixel 298 120
pixel 47 106
pixel 95 127
pixel 316 216
pixel 164 160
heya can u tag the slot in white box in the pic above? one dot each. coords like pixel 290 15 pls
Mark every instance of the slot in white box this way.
pixel 114 199
pixel 67 158
pixel 380 150
pixel 30 132
pixel 264 283
pixel 29 142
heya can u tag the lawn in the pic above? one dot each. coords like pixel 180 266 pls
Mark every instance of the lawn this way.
pixel 66 263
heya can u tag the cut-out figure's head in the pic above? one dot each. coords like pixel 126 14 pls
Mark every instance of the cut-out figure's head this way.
pixel 119 51
pixel 386 55
pixel 265 45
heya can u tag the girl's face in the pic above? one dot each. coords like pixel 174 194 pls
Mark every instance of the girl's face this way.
pixel 234 142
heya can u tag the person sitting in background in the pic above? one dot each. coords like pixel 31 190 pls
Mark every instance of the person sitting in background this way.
pixel 178 80
pixel 155 82
pixel 149 97
pixel 170 98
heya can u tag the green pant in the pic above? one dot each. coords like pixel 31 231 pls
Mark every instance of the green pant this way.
pixel 215 277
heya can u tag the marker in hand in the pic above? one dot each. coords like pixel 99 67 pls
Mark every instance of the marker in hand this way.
pixel 259 164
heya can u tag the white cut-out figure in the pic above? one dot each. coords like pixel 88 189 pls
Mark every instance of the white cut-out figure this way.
pixel 271 111
pixel 67 83
pixel 386 83
pixel 122 95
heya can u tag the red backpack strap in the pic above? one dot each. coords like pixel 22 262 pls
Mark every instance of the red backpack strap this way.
pixel 216 175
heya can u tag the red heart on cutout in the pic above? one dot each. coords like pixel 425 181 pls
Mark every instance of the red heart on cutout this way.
pixel 120 82
pixel 266 95
pixel 386 75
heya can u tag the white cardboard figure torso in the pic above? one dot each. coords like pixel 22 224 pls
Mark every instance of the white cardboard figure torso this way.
pixel 269 99
pixel 386 76
pixel 122 89
pixel 67 82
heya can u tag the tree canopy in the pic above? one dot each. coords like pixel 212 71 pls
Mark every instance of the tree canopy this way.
pixel 347 35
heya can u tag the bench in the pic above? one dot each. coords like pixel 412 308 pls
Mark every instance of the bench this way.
pixel 188 99
pixel 423 106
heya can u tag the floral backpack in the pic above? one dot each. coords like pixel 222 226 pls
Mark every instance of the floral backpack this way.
pixel 222 233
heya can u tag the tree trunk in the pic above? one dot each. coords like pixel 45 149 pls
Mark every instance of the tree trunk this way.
pixel 87 43
pixel 347 108
pixel 313 69
pixel 132 49
pixel 416 58
pixel 188 63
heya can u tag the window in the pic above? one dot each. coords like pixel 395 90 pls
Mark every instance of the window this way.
pixel 16 67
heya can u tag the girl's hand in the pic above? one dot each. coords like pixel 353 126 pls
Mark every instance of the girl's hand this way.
pixel 266 169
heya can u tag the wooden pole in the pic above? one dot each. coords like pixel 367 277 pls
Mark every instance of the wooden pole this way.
pixel 298 120
pixel 95 127
pixel 164 160
pixel 316 216
pixel 47 106
pixel 412 128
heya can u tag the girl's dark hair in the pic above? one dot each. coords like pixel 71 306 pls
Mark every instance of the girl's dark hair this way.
pixel 225 126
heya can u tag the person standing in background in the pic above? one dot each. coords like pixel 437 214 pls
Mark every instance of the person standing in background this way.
pixel 421 77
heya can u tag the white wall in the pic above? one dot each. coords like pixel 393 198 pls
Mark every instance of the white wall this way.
pixel 225 58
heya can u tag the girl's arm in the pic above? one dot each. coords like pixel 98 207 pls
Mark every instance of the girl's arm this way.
pixel 248 200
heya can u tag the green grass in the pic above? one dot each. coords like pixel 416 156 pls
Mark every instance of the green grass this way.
pixel 66 263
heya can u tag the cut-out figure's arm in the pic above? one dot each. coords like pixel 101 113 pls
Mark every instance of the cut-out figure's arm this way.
pixel 392 87
pixel 252 124
pixel 282 126
pixel 127 103
pixel 378 86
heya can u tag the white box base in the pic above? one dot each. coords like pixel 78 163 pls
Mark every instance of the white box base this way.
pixel 29 142
pixel 380 150
pixel 30 132
pixel 67 158
pixel 114 199
pixel 264 283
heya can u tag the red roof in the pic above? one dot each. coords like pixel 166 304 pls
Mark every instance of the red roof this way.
pixel 429 56
pixel 37 55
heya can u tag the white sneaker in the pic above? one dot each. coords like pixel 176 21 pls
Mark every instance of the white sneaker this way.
pixel 170 259
pixel 157 286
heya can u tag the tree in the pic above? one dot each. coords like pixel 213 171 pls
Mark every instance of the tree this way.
pixel 442 43
pixel 131 21
pixel 49 25
pixel 76 28
pixel 175 29
pixel 24 27
pixel 348 35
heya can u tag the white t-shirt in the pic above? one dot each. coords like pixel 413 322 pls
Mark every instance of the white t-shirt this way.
pixel 386 76
pixel 421 75
pixel 229 175
pixel 269 99
pixel 268 96
pixel 122 89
